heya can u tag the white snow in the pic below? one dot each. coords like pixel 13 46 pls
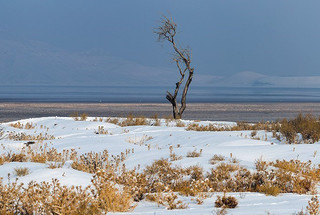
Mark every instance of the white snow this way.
pixel 81 136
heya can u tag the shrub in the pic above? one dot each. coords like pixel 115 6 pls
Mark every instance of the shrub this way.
pixel 101 130
pixel 226 202
pixel 21 171
pixel 194 154
pixel 269 189
pixel 91 162
pixel 53 198
pixel 253 133
pixel 113 121
pixel 216 158
pixel 75 116
pixel 22 136
pixel 261 165
pixel 179 123
pixel 175 157
pixel 313 206
pixel 308 126
pixel 110 199
pixel 156 120
pixel 133 121
pixel 169 200
pixel 19 125
pixel 83 116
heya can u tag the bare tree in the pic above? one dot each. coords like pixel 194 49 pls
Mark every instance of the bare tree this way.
pixel 182 56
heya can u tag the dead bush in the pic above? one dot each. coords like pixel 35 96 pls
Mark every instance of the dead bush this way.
pixel 313 207
pixel 83 116
pixel 133 121
pixel 308 126
pixel 226 202
pixel 21 171
pixel 179 123
pixel 175 157
pixel 268 189
pixel 194 154
pixel 216 158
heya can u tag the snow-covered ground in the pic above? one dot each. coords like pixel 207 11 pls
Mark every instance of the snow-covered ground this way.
pixel 153 142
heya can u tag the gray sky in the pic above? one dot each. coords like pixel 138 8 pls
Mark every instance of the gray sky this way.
pixel 42 41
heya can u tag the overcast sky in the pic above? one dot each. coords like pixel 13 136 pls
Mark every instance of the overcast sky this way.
pixel 270 37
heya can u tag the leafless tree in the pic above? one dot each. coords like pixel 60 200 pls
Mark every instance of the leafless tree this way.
pixel 182 57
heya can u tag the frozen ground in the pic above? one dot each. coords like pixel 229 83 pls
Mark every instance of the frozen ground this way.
pixel 151 143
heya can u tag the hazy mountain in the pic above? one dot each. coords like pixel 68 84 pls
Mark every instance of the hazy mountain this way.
pixel 36 63
pixel 252 79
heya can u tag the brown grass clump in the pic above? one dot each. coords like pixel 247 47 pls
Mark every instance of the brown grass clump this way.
pixel 194 154
pixel 179 123
pixel 156 120
pixel 261 165
pixel 268 189
pixel 169 200
pixel 26 137
pixel 21 171
pixel 241 126
pixel 53 198
pixel 75 116
pixel 110 199
pixel 83 116
pixel 19 125
pixel 139 140
pixel 175 157
pixel 226 202
pixel 113 121
pixel 41 155
pixel 308 126
pixel 313 207
pixel 216 158
pixel 253 133
pixel 101 130
pixel 133 121
pixel 197 127
pixel 91 162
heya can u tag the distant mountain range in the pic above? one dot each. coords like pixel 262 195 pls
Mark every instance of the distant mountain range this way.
pixel 252 79
pixel 36 63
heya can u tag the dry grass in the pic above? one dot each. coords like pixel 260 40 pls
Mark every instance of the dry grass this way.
pixel 41 155
pixel 175 157
pixel 307 126
pixel 83 116
pixel 27 137
pixel 179 123
pixel 268 189
pixel 161 181
pixel 52 198
pixel 194 154
pixel 169 200
pixel 101 130
pixel 226 202
pixel 216 158
pixel 19 125
pixel 21 171
pixel 241 126
pixel 313 207
pixel 139 140
pixel 133 121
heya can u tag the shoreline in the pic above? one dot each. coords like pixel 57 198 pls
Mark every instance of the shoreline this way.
pixel 250 111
